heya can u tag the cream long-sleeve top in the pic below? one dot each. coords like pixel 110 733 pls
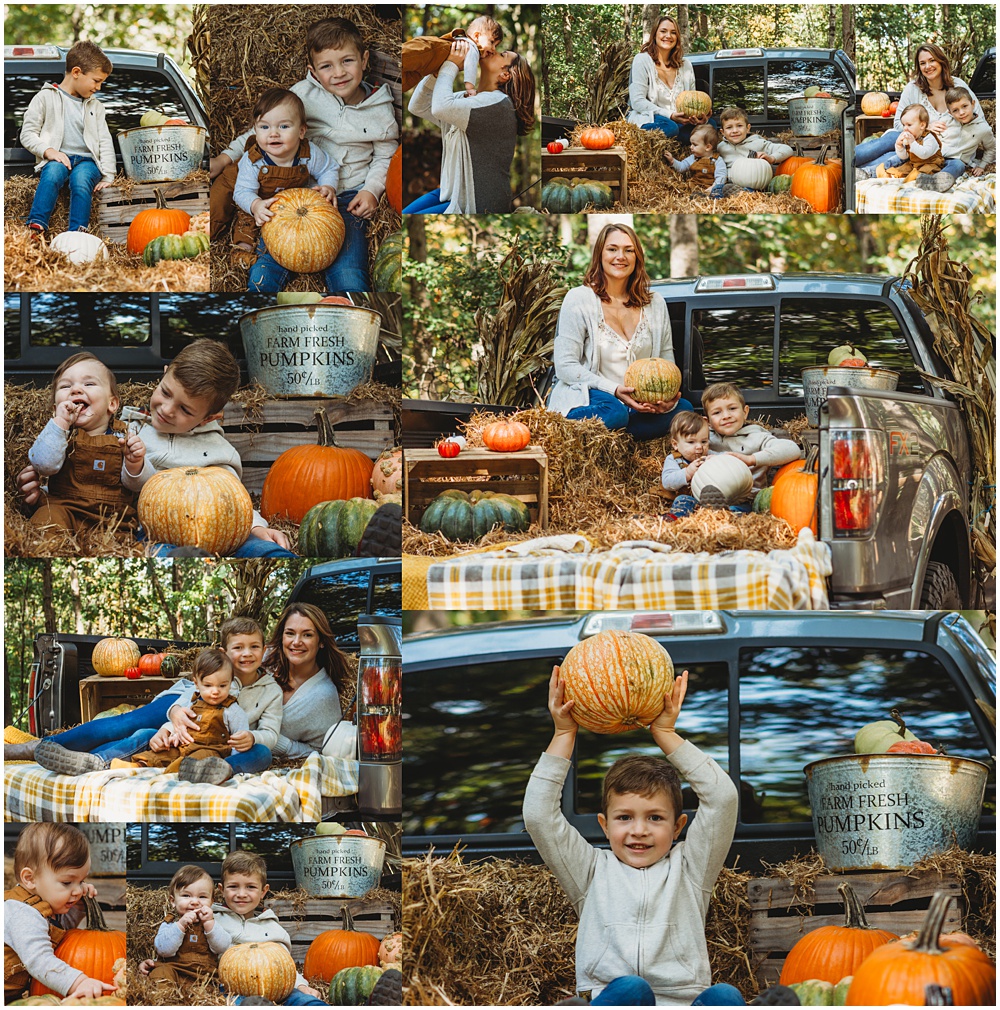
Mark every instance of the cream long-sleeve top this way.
pixel 648 96
pixel 963 142
pixel 307 716
pixel 912 95
pixel 650 921
pixel 754 440
pixel 751 147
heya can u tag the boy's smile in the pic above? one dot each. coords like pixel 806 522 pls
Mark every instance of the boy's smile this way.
pixel 735 130
pixel 340 72
pixel 641 829
pixel 173 410
pixel 963 110
pixel 242 892
pixel 245 652
pixel 727 416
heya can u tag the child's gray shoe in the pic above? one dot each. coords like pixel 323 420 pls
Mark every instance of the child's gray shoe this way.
pixel 57 758
pixel 711 497
pixel 213 770
pixel 863 173
pixel 940 182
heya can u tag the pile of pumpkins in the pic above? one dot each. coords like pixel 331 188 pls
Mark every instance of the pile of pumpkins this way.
pixel 120 657
pixel 166 233
pixel 890 736
pixel 818 180
pixel 878 103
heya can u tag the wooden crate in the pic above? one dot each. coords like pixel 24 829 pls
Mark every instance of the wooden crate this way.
pixel 610 166
pixel 865 126
pixel 384 69
pixel 304 923
pixel 261 438
pixel 111 898
pixel 476 467
pixel 810 147
pixel 892 901
pixel 98 694
pixel 116 208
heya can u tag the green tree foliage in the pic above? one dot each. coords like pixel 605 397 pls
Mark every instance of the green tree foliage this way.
pixel 888 36
pixel 148 27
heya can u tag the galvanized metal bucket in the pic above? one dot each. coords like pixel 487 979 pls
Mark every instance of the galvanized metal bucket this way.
pixel 887 811
pixel 107 848
pixel 816 381
pixel 812 117
pixel 310 350
pixel 338 866
pixel 162 153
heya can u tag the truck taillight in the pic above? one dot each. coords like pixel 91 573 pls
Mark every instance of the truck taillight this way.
pixel 857 455
pixel 380 709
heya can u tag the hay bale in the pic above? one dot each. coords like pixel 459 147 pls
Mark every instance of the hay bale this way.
pixel 261 46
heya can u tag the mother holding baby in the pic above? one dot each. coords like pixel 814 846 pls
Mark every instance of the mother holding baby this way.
pixel 604 325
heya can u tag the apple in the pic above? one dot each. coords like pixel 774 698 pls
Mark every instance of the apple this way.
pixel 299 297
pixel 853 363
pixel 839 354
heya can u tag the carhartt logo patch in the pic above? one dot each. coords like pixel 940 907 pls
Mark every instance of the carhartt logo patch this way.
pixel 192 938
pixel 98 464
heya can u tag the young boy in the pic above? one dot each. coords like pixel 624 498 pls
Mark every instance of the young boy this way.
pixel 277 157
pixel 917 149
pixel 727 412
pixel 216 711
pixel 92 471
pixel 426 54
pixel 739 142
pixel 705 167
pixel 642 905
pixel 189 940
pixel 968 134
pixel 354 123
pixel 51 864
pixel 65 129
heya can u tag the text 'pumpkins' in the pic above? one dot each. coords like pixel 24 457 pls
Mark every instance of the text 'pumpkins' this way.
pixel 618 680
pixel 306 232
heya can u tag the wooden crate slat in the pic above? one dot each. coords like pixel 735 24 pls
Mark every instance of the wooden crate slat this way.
pixel 425 492
pixel 303 412
pixel 881 888
pixel 773 935
pixel 267 446
pixel 115 210
pixel 115 919
pixel 110 891
pixel 98 694
pixel 609 166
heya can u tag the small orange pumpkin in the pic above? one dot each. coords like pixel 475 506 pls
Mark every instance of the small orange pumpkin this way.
pixel 818 184
pixel 911 747
pixel 597 138
pixel 394 181
pixel 794 498
pixel 154 222
pixel 506 436
pixel 789 165
pixel 336 949
pixel 306 231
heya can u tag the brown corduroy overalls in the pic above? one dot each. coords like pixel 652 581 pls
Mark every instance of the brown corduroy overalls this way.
pixel 915 166
pixel 701 174
pixel 15 976
pixel 210 739
pixel 426 55
pixel 193 962
pixel 272 179
pixel 87 490
pixel 669 494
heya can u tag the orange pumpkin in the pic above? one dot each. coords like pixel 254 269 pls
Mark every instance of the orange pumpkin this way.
pixel 789 165
pixel 506 436
pixel 258 969
pixel 794 499
pixel 912 747
pixel 306 232
pixel 819 185
pixel 831 953
pixel 394 181
pixel 149 665
pixel 305 475
pixel 196 506
pixel 154 222
pixel 617 680
pixel 597 138
pixel 93 949
pixel 900 972
pixel 113 656
pixel 796 464
pixel 653 380
pixel 387 476
pixel 336 949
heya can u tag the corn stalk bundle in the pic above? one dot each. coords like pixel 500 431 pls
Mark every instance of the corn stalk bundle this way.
pixel 607 86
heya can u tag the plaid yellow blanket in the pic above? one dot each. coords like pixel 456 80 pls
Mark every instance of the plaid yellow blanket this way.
pixel 970 195
pixel 31 793
pixel 639 575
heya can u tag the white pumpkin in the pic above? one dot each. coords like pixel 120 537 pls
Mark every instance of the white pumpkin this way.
pixel 750 173
pixel 727 473
pixel 80 247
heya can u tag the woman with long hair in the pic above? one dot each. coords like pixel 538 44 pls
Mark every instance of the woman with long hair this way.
pixel 604 325
pixel 931 79
pixel 479 134
pixel 659 74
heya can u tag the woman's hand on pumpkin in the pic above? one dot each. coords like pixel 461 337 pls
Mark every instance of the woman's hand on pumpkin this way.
pixel 275 536
pixel 145 967
pixel 29 485
pixel 261 210
pixel 666 721
pixel 665 406
pixel 624 393
pixel 458 50
pixel 242 741
pixel 363 205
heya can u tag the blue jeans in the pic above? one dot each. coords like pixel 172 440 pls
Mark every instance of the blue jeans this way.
pixel 955 167
pixel 257 759
pixel 348 272
pixel 685 504
pixel 628 990
pixel 114 736
pixel 876 151
pixel 294 998
pixel 615 415
pixel 83 176
pixel 253 547
pixel 671 128
pixel 429 203
pixel 721 994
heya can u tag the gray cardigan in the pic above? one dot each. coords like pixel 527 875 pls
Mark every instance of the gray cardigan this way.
pixel 642 89
pixel 576 354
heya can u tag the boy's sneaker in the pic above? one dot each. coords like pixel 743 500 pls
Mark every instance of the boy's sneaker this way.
pixel 940 182
pixel 711 497
pixel 212 770
pixel 37 232
pixel 64 761
pixel 863 173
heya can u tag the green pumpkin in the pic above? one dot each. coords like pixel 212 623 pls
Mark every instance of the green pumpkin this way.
pixel 780 184
pixel 387 267
pixel 462 516
pixel 814 992
pixel 333 529
pixel 587 192
pixel 557 196
pixel 840 991
pixel 352 986
pixel 171 665
pixel 175 247
pixel 762 500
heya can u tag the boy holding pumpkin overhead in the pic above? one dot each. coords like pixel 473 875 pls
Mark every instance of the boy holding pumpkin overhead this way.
pixel 642 905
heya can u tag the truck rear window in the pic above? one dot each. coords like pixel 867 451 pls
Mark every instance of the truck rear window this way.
pixel 185 318
pixel 790 78
pixel 733 345
pixel 12 326
pixel 343 597
pixel 89 320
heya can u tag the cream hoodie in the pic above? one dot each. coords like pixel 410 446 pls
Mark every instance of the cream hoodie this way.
pixel 754 440
pixel 751 147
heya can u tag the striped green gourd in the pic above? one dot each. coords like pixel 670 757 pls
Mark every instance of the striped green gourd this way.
pixel 352 986
pixel 387 267
pixel 762 500
pixel 653 380
pixel 333 529
pixel 470 516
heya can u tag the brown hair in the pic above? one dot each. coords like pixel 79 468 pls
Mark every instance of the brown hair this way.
pixel 186 876
pixel 75 359
pixel 721 390
pixel 733 112
pixel 330 657
pixel 953 95
pixel 233 626
pixel 274 97
pixel 47 845
pixel 651 49
pixel 484 23
pixel 920 111
pixel 88 56
pixel 709 132
pixel 333 33
pixel 686 422
pixel 520 89
pixel 643 775
pixel 248 863
pixel 938 53
pixel 210 661
pixel 637 292
pixel 206 368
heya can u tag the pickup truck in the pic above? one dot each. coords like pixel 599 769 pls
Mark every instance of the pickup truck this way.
pixel 894 467
pixel 769 693
pixel 141 81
